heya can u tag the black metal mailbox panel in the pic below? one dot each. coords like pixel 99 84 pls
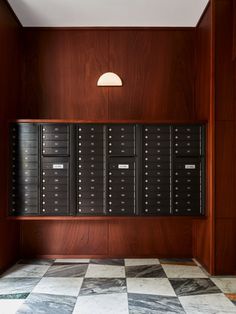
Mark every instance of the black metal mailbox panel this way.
pixel 156 170
pixel 24 169
pixel 90 169
pixel 107 169
pixel 121 186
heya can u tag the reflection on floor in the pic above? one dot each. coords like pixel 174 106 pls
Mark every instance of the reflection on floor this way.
pixel 117 286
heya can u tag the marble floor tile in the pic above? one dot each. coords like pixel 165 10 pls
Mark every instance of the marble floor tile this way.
pixel 16 296
pixel 10 306
pixel 153 304
pixel 47 304
pixel 22 270
pixel 226 285
pixel 156 286
pixel 72 260
pixel 207 304
pixel 141 261
pixel 193 286
pixel 149 271
pixel 181 271
pixel 117 262
pixel 178 261
pixel 103 286
pixel 102 304
pixel 17 288
pixel 105 271
pixel 67 270
pixel 59 286
pixel 35 261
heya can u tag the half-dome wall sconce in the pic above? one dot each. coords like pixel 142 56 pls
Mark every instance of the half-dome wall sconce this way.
pixel 109 79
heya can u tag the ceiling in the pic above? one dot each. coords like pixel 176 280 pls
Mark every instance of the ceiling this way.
pixel 108 13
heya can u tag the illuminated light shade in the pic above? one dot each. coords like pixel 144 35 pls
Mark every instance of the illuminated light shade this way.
pixel 109 79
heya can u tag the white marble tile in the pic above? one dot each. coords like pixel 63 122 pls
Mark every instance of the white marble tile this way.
pixel 226 285
pixel 181 271
pixel 141 261
pixel 102 304
pixel 105 271
pixel 10 306
pixel 72 260
pixel 59 286
pixel 42 303
pixel 22 270
pixel 207 304
pixel 157 286
pixel 17 285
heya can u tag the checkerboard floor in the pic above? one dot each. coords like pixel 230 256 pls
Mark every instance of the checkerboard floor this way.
pixel 117 286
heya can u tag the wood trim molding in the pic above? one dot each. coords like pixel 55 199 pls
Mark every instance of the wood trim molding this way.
pixel 108 121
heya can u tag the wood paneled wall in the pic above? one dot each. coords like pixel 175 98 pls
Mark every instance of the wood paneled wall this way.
pixel 60 71
pixel 125 237
pixel 9 100
pixel 168 74
pixel 215 85
pixel 204 229
pixel 61 68
pixel 225 71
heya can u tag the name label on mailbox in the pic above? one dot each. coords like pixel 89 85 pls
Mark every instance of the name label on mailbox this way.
pixel 122 166
pixel 58 166
pixel 190 166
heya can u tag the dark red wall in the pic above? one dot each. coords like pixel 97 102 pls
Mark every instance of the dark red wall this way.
pixel 61 68
pixel 9 100
pixel 168 74
pixel 60 71
pixel 225 104
pixel 203 229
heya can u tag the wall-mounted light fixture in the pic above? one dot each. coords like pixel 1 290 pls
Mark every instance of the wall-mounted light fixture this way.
pixel 109 79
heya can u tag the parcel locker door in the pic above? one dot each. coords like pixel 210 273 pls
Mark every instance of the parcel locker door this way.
pixel 24 169
pixel 55 198
pixel 90 169
pixel 121 186
pixel 187 186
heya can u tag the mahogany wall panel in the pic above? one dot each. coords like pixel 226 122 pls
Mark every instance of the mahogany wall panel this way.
pixel 203 237
pixel 61 68
pixel 157 67
pixel 9 243
pixel 159 237
pixel 9 99
pixel 225 248
pixel 125 237
pixel 9 87
pixel 203 66
pixel 60 71
pixel 64 238
pixel 225 231
pixel 225 178
pixel 202 242
pixel 224 64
